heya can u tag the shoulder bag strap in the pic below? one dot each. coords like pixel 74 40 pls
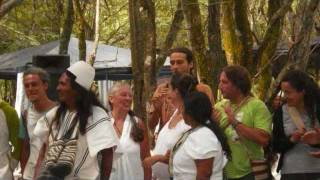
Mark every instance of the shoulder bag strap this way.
pixel 237 109
pixel 178 144
pixel 296 118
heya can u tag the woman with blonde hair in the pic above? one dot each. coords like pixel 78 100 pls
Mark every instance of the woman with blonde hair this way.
pixel 132 134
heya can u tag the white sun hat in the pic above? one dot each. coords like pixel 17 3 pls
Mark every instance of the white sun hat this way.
pixel 84 73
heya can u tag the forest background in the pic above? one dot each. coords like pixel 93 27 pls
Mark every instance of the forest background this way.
pixel 219 32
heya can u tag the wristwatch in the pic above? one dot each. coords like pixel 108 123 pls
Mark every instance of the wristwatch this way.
pixel 235 123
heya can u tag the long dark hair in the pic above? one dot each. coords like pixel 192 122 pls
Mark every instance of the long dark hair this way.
pixel 184 83
pixel 301 81
pixel 197 105
pixel 84 102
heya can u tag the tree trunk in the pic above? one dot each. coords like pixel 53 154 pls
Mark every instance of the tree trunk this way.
pixel 81 34
pixel 92 57
pixel 67 29
pixel 269 45
pixel 171 36
pixel 192 15
pixel 137 43
pixel 244 34
pixel 150 51
pixel 5 7
pixel 215 54
pixel 229 38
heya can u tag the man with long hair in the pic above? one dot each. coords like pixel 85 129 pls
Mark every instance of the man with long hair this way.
pixel 245 121
pixel 81 116
pixel 181 62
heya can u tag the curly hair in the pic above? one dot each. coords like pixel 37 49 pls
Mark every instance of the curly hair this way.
pixel 301 81
pixel 240 77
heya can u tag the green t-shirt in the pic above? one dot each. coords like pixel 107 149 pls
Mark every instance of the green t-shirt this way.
pixel 13 128
pixel 254 114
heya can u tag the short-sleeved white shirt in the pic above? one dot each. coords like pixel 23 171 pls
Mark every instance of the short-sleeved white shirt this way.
pixel 200 144
pixel 166 140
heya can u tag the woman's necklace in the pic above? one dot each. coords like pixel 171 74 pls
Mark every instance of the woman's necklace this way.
pixel 118 130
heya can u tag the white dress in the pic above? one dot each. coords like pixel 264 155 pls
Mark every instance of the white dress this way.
pixel 200 144
pixel 99 135
pixel 166 140
pixel 127 163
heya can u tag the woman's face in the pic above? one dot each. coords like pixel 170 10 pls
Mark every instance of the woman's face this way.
pixel 122 99
pixel 293 97
pixel 174 97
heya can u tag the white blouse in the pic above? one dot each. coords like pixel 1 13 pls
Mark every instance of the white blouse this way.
pixel 127 161
pixel 166 140
pixel 200 144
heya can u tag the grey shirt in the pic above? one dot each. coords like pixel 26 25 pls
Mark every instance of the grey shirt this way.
pixel 297 159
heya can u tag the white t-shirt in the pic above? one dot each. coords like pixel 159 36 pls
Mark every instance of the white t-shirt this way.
pixel 166 140
pixel 200 144
pixel 127 163
pixel 32 119
pixel 99 135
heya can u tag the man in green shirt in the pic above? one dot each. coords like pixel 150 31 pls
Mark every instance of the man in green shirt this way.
pixel 244 119
pixel 9 143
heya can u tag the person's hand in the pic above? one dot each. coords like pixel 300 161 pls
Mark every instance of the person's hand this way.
pixel 296 136
pixel 315 154
pixel 165 158
pixel 311 137
pixel 148 162
pixel 216 115
pixel 161 91
pixel 230 116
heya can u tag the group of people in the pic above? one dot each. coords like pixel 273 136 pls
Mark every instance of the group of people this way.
pixel 192 136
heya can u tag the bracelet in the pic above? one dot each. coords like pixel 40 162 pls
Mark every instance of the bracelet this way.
pixel 235 123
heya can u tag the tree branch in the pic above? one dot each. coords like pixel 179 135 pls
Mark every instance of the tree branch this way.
pixel 280 13
pixel 171 36
pixel 7 6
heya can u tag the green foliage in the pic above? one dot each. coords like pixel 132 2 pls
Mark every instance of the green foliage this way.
pixel 7 91
pixel 30 24
pixel 38 21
